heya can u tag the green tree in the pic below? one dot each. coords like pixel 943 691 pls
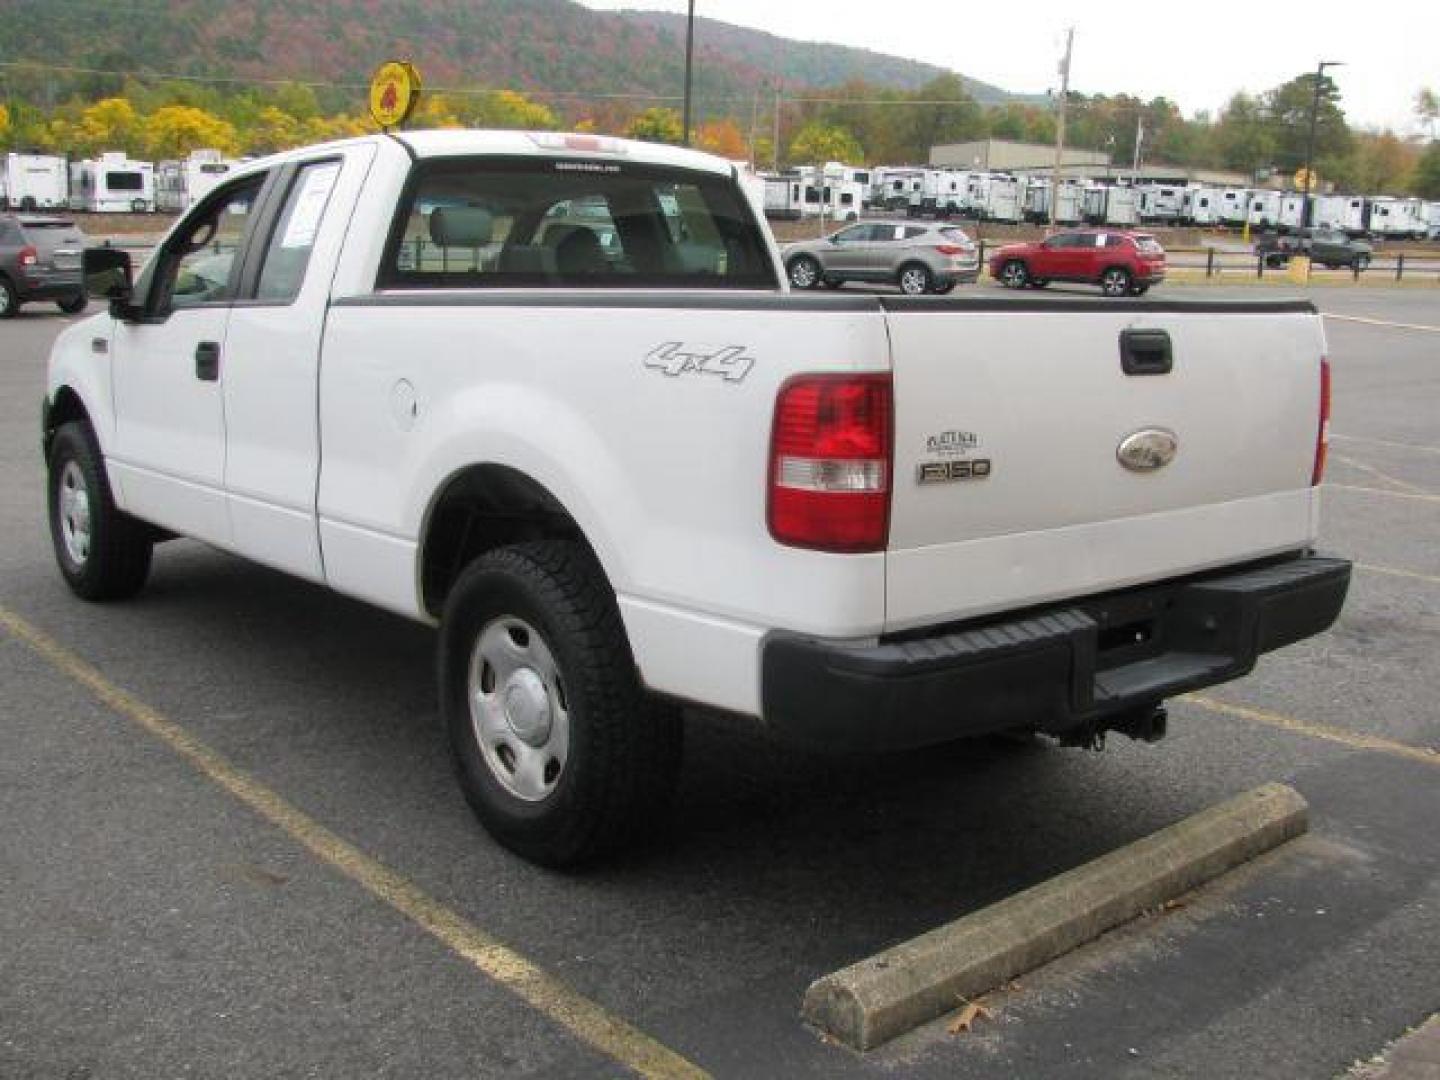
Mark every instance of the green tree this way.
pixel 656 125
pixel 1243 138
pixel 1427 109
pixel 1426 181
pixel 1289 108
pixel 818 143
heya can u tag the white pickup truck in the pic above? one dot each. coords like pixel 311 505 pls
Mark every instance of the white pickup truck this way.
pixel 551 394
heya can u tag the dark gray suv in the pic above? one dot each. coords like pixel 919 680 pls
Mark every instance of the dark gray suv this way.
pixel 40 260
pixel 918 258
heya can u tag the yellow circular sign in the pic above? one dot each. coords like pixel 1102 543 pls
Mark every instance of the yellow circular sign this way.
pixel 1305 180
pixel 394 93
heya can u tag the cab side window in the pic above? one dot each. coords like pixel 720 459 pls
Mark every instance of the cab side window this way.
pixel 288 253
pixel 201 263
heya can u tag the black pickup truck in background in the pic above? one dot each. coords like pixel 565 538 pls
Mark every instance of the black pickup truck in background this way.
pixel 1326 247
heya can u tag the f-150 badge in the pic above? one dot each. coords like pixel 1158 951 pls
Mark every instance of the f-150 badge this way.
pixel 681 358
pixel 951 447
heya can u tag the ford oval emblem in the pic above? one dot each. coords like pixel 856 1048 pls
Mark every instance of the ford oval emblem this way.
pixel 1147 450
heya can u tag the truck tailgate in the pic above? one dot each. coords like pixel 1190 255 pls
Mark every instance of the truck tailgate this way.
pixel 1009 417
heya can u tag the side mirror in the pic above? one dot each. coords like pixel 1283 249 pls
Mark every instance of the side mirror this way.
pixel 108 273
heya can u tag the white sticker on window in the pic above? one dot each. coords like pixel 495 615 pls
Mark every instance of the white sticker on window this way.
pixel 309 205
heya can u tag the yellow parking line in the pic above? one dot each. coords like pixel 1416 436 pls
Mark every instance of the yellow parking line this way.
pixel 1383 491
pixel 1382 322
pixel 584 1019
pixel 1392 571
pixel 1353 739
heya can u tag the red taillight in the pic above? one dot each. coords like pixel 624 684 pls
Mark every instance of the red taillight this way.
pixel 830 454
pixel 28 256
pixel 1322 436
pixel 953 249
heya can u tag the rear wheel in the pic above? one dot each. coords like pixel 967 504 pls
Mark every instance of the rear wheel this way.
pixel 1115 281
pixel 1013 274
pixel 9 300
pixel 560 752
pixel 103 553
pixel 804 272
pixel 914 279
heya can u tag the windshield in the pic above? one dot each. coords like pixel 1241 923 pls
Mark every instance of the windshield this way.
pixel 488 222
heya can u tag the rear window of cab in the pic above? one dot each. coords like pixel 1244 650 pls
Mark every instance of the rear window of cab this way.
pixel 486 222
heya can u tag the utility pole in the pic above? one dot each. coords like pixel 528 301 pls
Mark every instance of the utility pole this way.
pixel 775 137
pixel 1310 141
pixel 689 65
pixel 1060 104
pixel 1139 138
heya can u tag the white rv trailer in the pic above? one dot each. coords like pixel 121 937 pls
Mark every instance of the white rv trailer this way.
pixel 1201 205
pixel 1292 211
pixel 942 193
pixel 1234 205
pixel 1161 203
pixel 831 191
pixel 1343 212
pixel 112 184
pixel 1432 220
pixel 783 198
pixel 892 186
pixel 1069 202
pixel 35 182
pixel 1397 219
pixel 1004 199
pixel 1264 210
pixel 181 184
pixel 1112 204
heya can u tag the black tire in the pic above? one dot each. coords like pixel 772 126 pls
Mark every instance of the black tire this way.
pixel 73 305
pixel 1014 275
pixel 623 747
pixel 803 272
pixel 1115 281
pixel 103 553
pixel 9 299
pixel 914 279
pixel 28 204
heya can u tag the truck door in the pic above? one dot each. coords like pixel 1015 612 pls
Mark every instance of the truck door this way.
pixel 168 453
pixel 272 362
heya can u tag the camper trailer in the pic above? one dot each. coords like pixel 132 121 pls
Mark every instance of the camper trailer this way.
pixel 35 182
pixel 112 184
pixel 891 188
pixel 1234 205
pixel 1069 202
pixel 832 192
pixel 1161 204
pixel 1004 199
pixel 783 197
pixel 1111 204
pixel 1292 212
pixel 1264 209
pixel 1343 212
pixel 1397 219
pixel 1201 205
pixel 941 194
pixel 181 184
pixel 1432 221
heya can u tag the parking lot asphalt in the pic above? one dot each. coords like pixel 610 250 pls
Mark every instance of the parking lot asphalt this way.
pixel 156 922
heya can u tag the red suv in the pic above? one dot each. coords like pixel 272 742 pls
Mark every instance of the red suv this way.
pixel 1121 263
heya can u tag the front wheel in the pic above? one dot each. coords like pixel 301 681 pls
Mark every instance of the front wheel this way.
pixel 1013 274
pixel 560 752
pixel 73 305
pixel 1115 282
pixel 914 280
pixel 103 553
pixel 804 272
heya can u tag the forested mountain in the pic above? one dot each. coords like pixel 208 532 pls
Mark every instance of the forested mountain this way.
pixel 539 46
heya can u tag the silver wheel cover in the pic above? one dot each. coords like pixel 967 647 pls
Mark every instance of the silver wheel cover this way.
pixel 74 508
pixel 518 708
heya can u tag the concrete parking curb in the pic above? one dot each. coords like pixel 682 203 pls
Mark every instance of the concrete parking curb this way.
pixel 887 995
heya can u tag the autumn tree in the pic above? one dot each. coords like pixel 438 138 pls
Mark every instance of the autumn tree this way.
pixel 721 137
pixel 816 143
pixel 274 129
pixel 656 125
pixel 1426 181
pixel 175 130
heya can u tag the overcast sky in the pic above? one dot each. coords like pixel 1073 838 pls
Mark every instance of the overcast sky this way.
pixel 1197 55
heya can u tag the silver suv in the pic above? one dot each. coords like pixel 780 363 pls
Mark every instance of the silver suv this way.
pixel 40 260
pixel 918 258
